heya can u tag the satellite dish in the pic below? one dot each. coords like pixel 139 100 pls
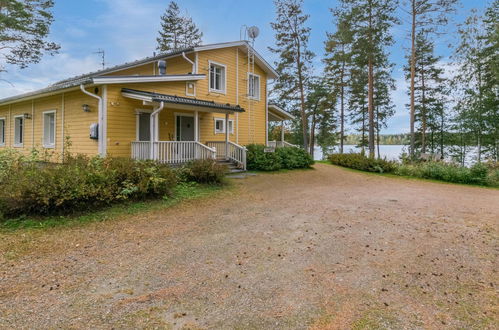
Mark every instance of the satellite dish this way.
pixel 253 32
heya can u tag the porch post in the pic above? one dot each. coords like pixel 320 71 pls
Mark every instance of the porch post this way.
pixel 282 133
pixel 196 134
pixel 227 135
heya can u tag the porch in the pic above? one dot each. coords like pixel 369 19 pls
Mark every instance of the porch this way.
pixel 277 114
pixel 184 140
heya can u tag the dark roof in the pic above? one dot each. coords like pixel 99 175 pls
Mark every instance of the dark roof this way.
pixel 156 97
pixel 87 78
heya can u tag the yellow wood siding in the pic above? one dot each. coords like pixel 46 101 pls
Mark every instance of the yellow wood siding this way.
pixel 76 122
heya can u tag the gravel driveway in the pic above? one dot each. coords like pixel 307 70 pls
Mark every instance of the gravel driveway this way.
pixel 324 249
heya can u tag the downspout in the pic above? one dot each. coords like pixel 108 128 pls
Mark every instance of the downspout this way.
pixel 63 144
pixel 237 95
pixel 152 128
pixel 33 124
pixel 192 63
pixel 100 118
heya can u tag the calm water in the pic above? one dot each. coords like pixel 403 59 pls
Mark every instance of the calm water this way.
pixel 391 152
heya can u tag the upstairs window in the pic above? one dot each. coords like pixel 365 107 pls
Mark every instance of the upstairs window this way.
pixel 253 86
pixel 18 131
pixel 217 78
pixel 49 129
pixel 2 131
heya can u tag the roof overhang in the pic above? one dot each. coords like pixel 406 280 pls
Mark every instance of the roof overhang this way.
pixel 180 103
pixel 244 45
pixel 276 113
pixel 105 80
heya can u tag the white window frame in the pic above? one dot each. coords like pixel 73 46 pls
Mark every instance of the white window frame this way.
pixel 49 145
pixel 19 145
pixel 231 121
pixel 224 78
pixel 253 97
pixel 3 134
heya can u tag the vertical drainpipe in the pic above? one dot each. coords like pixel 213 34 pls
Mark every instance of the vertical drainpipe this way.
pixel 33 124
pixel 104 120
pixel 266 113
pixel 100 116
pixel 10 125
pixel 63 142
pixel 153 128
pixel 237 94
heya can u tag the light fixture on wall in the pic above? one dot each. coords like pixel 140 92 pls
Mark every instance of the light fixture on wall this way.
pixel 85 107
pixel 27 116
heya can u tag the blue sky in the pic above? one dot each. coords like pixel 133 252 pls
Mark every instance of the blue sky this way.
pixel 127 30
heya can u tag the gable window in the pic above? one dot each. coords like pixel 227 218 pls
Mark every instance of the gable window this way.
pixel 49 129
pixel 220 126
pixel 217 77
pixel 2 131
pixel 18 131
pixel 253 86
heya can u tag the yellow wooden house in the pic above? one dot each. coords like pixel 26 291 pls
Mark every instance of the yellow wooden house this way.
pixel 200 102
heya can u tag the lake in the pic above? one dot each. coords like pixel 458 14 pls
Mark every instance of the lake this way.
pixel 391 152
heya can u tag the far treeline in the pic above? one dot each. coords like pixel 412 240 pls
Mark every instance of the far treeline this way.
pixel 451 111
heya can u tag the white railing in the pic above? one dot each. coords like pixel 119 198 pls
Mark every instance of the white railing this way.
pixel 172 152
pixel 280 144
pixel 232 151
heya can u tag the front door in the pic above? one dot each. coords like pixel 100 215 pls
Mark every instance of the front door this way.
pixel 185 128
pixel 144 127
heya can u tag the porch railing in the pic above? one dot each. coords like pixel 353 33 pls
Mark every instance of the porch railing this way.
pixel 280 144
pixel 172 152
pixel 234 152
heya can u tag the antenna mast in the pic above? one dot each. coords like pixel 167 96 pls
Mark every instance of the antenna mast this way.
pixel 102 54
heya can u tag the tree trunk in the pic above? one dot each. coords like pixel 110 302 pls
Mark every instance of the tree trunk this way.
pixel 377 132
pixel 370 91
pixel 312 134
pixel 413 76
pixel 304 120
pixel 342 107
pixel 423 112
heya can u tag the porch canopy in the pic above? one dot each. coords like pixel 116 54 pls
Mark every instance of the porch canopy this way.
pixel 181 103
pixel 276 113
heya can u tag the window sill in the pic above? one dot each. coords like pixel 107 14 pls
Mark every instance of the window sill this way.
pixel 216 91
pixel 18 145
pixel 224 133
pixel 49 146
pixel 254 98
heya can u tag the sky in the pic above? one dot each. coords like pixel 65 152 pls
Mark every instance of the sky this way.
pixel 127 29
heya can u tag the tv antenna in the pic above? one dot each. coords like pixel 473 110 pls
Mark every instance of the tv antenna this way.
pixel 102 54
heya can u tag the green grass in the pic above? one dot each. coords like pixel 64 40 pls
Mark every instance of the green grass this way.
pixel 405 177
pixel 182 192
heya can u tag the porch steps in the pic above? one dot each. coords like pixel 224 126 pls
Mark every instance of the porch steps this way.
pixel 232 167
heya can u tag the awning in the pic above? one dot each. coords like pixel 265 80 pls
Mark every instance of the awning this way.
pixel 276 113
pixel 181 103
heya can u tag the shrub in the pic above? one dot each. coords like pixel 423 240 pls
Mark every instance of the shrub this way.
pixel 37 188
pixel 363 163
pixel 282 158
pixel 293 157
pixel 479 173
pixel 203 171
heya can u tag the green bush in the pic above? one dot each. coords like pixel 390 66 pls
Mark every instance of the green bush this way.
pixel 281 158
pixel 479 173
pixel 293 157
pixel 31 187
pixel 363 163
pixel 203 171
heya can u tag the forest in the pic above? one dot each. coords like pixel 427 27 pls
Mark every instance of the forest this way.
pixel 451 111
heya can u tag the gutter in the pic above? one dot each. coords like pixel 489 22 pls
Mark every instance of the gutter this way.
pixel 101 148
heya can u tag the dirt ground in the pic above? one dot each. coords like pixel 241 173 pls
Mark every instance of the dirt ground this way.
pixel 323 249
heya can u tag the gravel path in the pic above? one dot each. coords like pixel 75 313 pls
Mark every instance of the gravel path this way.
pixel 323 249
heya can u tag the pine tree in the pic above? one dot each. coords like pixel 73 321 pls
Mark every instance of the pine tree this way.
pixel 337 62
pixel 427 17
pixel 295 59
pixel 24 28
pixel 429 94
pixel 177 31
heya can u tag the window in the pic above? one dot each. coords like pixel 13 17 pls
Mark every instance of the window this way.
pixel 253 86
pixel 220 126
pixel 49 129
pixel 18 131
pixel 2 131
pixel 217 78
